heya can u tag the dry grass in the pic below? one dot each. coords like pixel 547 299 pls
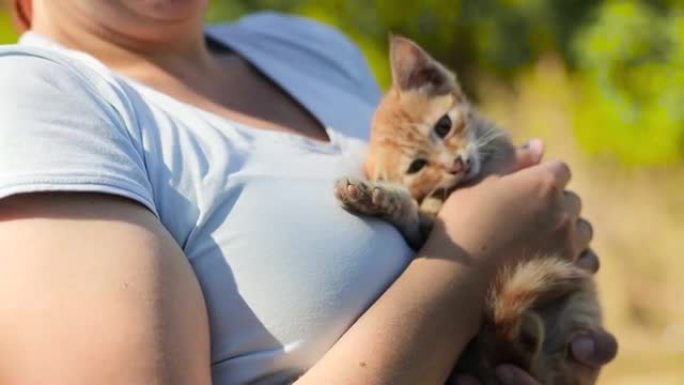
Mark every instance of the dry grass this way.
pixel 638 215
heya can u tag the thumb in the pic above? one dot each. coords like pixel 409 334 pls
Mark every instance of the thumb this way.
pixel 528 155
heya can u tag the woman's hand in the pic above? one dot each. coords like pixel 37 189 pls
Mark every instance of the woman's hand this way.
pixel 521 213
pixel 572 238
pixel 593 350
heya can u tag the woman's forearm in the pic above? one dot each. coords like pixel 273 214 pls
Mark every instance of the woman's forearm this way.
pixel 416 330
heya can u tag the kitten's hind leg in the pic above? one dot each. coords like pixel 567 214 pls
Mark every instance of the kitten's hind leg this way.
pixel 390 202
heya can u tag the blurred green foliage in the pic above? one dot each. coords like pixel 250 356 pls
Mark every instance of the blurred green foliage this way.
pixel 631 78
pixel 624 57
pixel 498 36
pixel 7 33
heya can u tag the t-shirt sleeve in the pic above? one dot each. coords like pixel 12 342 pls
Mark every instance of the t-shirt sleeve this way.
pixel 60 130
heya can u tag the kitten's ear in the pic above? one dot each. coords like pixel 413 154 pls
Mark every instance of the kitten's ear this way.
pixel 413 68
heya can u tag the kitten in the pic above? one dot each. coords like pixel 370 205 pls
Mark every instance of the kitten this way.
pixel 426 140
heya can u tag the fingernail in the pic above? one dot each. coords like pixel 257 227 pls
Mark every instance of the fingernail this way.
pixel 583 347
pixel 536 146
pixel 586 229
pixel 505 374
pixel 594 350
pixel 588 261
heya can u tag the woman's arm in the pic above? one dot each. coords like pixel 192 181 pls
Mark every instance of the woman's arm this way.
pixel 415 331
pixel 95 291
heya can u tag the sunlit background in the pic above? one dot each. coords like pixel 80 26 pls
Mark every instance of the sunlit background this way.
pixel 602 82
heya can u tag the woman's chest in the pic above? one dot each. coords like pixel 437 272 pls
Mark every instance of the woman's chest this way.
pixel 238 91
pixel 284 269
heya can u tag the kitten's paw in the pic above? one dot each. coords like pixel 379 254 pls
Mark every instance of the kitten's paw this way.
pixel 364 197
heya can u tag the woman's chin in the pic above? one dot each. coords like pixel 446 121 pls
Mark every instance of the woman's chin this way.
pixel 168 11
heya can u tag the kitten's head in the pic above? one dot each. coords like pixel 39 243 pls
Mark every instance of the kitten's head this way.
pixel 425 135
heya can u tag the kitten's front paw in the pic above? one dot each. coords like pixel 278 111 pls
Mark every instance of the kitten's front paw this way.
pixel 364 197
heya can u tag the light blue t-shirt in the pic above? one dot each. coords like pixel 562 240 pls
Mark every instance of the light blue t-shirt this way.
pixel 284 270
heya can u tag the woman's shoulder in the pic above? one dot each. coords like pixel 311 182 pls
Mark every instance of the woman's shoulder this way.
pixel 30 70
pixel 316 47
pixel 66 127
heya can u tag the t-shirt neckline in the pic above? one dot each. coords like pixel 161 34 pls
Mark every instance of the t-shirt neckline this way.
pixel 31 38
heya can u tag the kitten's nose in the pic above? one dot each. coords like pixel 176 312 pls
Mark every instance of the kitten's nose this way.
pixel 459 166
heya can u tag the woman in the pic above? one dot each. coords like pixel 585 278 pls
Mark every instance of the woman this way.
pixel 167 214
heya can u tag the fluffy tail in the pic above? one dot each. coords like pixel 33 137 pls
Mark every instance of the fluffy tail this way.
pixel 530 285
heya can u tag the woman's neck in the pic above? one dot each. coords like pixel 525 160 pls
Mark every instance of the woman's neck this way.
pixel 178 51
pixel 174 58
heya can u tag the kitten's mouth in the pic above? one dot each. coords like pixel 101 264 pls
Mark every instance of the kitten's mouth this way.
pixel 459 166
pixel 457 174
pixel 454 181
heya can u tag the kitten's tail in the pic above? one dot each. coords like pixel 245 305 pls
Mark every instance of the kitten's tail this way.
pixel 530 285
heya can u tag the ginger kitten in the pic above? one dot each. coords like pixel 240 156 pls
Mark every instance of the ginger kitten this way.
pixel 426 140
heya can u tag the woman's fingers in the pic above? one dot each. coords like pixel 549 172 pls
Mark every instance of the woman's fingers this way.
pixel 561 171
pixel 572 203
pixel 577 231
pixel 512 375
pixel 528 155
pixel 581 238
pixel 594 349
pixel 511 159
pixel 585 232
pixel 589 261
pixel 584 235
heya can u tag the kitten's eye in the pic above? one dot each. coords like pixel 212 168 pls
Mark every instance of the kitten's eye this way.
pixel 443 126
pixel 416 166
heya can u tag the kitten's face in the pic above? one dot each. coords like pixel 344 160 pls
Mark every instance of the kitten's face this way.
pixel 424 142
pixel 425 134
